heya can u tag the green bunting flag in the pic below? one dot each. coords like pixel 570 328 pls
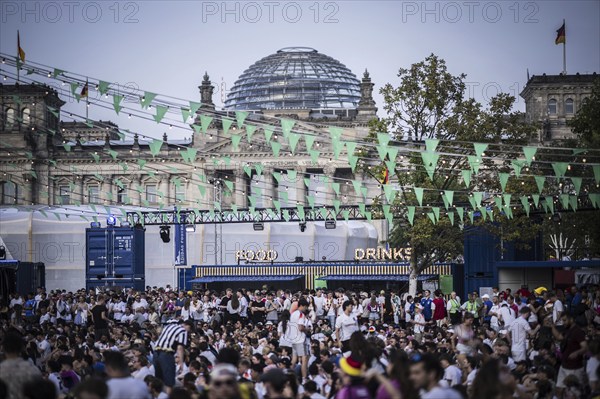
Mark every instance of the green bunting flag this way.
pixel 594 199
pixel 189 155
pixel 431 144
pixel 451 217
pixel 185 114
pixel 430 160
pixel 389 192
pixel 103 87
pixel 161 110
pixel 235 141
pixel 117 103
pixel 449 196
pixel 96 157
pixel 54 111
pixel 307 181
pixel 351 147
pixel 310 140
pixel 474 163
pixel 392 153
pixel 275 147
pixel 240 117
pixel 74 86
pixel 480 148
pixel 311 200
pixel 147 99
pixel 573 202
pixel 205 121
pixel 226 124
pixel 229 185
pixel 540 180
pixel 419 195
pixel 560 168
pixel 336 205
pixel 431 217
pixel 382 151
pixel 526 204
pixel 194 107
pixel 300 210
pixel 466 176
pixel 293 139
pixel 248 170
pixel 353 161
pixel 577 183
pixel 596 169
pixel 411 214
pixel 383 139
pixel 529 153
pixel 57 72
pixel 268 130
pixel 478 196
pixel 461 213
pixel 391 167
pixel 517 165
pixel 141 163
pixel 292 175
pixel 155 147
pixel 498 201
pixel 277 177
pixel 507 199
pixel 536 200
pixel 472 217
pixel 250 129
pixel 113 154
pixel 357 186
pixel 338 146
pixel 564 200
pixel 549 203
pixel 503 180
pixel 436 212
pixel 314 156
pixel 335 186
pixel 286 126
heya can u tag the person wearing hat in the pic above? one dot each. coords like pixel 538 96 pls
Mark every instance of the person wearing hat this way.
pixel 418 323
pixel 352 373
pixel 487 307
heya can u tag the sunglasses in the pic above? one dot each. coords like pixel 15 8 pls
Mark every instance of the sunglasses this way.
pixel 219 383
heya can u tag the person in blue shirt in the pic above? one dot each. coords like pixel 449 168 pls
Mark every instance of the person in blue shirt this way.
pixel 29 307
pixel 427 304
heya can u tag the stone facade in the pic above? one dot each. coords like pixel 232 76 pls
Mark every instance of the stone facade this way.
pixel 551 100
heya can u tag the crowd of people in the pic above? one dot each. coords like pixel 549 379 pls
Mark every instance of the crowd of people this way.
pixel 269 344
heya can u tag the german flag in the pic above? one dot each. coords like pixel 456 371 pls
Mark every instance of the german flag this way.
pixel 20 51
pixel 386 176
pixel 84 91
pixel 561 35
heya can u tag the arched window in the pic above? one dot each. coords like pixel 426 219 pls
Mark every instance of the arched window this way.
pixel 552 107
pixel 569 106
pixel 8 193
pixel 26 115
pixel 10 118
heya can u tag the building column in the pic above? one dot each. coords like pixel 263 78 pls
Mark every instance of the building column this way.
pixel 81 186
pixel 133 193
pixel 106 191
pixel 300 187
pixel 163 187
pixel 269 189
pixel 240 196
pixel 329 172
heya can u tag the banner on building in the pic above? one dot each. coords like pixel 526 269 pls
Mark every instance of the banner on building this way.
pixel 180 245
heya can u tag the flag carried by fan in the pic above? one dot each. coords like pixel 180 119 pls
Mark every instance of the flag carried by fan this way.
pixel 84 91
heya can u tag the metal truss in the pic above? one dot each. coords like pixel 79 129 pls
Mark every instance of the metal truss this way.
pixel 258 215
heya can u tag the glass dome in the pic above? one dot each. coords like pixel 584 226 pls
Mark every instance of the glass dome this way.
pixel 295 77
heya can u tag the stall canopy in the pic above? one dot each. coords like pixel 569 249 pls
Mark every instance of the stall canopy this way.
pixel 218 279
pixel 380 277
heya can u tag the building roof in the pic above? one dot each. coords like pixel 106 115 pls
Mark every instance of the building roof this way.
pixel 295 78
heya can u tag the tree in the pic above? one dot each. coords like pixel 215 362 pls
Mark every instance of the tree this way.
pixel 430 103
pixel 586 123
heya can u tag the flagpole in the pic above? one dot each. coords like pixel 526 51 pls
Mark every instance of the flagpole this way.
pixel 18 56
pixel 565 50
pixel 87 103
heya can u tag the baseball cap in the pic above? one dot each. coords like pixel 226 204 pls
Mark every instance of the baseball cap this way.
pixel 485 296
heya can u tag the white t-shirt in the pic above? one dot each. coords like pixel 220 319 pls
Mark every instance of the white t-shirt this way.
pixel 558 307
pixel 591 368
pixel 130 388
pixel 441 393
pixel 419 318
pixel 407 311
pixel 319 303
pixel 293 333
pixel 519 329
pixel 508 316
pixel 494 319
pixel 452 375
pixel 347 325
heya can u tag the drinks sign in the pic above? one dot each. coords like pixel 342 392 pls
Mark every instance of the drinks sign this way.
pixel 381 253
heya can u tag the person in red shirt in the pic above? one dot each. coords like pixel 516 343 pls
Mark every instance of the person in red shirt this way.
pixel 511 303
pixel 439 314
pixel 523 292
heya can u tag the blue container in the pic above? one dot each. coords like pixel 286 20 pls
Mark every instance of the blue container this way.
pixel 115 255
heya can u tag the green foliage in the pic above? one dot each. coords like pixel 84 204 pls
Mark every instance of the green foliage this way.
pixel 586 123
